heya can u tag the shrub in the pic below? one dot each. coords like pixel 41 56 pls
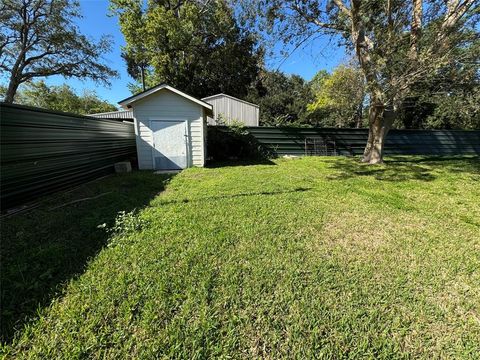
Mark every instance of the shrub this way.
pixel 234 142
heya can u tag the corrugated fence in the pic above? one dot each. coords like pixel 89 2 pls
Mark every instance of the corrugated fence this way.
pixel 299 141
pixel 44 151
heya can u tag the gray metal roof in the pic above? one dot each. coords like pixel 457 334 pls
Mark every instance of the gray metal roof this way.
pixel 122 114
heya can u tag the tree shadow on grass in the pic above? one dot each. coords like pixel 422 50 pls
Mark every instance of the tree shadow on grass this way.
pixel 232 196
pixel 45 247
pixel 404 168
pixel 228 163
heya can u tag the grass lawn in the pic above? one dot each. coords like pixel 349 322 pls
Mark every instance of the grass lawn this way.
pixel 304 258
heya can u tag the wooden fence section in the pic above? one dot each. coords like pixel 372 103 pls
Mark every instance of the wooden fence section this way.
pixel 298 141
pixel 44 151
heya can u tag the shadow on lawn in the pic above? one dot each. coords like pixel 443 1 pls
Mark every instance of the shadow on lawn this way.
pixel 47 246
pixel 228 163
pixel 232 196
pixel 407 168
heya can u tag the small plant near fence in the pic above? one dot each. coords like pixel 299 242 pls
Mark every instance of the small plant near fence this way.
pixel 126 223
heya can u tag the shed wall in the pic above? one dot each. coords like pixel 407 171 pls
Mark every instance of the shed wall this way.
pixel 233 110
pixel 168 106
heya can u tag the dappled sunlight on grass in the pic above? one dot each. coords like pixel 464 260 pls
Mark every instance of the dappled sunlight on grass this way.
pixel 310 257
pixel 402 169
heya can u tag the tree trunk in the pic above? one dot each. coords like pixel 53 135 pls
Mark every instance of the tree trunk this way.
pixel 416 28
pixel 11 90
pixel 379 125
pixel 359 116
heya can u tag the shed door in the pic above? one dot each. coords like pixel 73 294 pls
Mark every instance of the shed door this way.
pixel 170 144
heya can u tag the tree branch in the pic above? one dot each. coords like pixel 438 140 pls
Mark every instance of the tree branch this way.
pixel 314 20
pixel 342 7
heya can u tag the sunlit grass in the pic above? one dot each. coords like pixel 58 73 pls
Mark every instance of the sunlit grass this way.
pixel 303 258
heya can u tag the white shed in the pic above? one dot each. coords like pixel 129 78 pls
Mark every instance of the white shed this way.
pixel 170 128
pixel 230 109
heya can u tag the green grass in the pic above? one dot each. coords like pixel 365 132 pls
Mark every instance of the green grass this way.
pixel 303 258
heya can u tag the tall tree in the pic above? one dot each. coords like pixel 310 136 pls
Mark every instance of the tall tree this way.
pixel 39 38
pixel 339 97
pixel 282 98
pixel 397 43
pixel 195 45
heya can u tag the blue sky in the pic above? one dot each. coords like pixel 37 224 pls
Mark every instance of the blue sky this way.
pixel 95 22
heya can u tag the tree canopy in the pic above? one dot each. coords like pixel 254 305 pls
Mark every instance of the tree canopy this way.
pixel 282 99
pixel 339 97
pixel 195 45
pixel 398 44
pixel 60 98
pixel 39 38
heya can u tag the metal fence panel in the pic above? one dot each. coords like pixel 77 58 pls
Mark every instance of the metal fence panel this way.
pixel 44 151
pixel 292 141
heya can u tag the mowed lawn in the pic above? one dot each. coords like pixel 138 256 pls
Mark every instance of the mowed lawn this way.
pixel 304 258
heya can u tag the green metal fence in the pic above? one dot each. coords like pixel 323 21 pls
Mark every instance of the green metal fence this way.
pixel 44 151
pixel 298 141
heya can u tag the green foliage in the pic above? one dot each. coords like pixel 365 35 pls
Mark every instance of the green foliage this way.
pixel 317 81
pixel 450 98
pixel 339 97
pixel 455 111
pixel 302 259
pixel 127 223
pixel 196 46
pixel 234 142
pixel 282 99
pixel 39 38
pixel 61 98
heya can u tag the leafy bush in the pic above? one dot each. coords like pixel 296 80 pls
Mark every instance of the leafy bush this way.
pixel 234 142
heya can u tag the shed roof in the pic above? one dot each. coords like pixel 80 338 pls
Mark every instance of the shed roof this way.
pixel 230 97
pixel 126 103
pixel 119 114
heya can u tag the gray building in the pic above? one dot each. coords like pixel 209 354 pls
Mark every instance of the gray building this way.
pixel 121 114
pixel 228 109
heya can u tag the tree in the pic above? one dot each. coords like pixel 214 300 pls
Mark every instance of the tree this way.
pixel 459 110
pixel 38 38
pixel 195 45
pixel 397 44
pixel 339 97
pixel 450 98
pixel 282 99
pixel 60 98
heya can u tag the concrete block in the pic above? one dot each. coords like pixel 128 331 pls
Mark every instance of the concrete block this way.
pixel 123 167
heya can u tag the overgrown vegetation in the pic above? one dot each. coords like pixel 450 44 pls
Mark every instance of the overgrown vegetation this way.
pixel 304 258
pixel 60 98
pixel 234 142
